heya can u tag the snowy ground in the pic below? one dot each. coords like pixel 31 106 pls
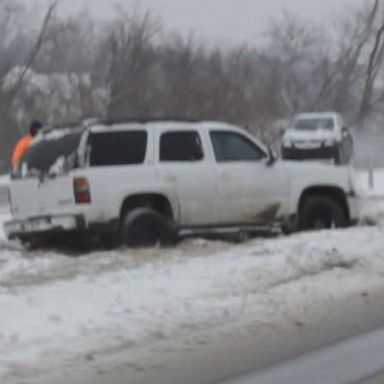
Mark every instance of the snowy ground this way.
pixel 56 308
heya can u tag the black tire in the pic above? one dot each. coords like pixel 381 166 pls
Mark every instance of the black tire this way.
pixel 321 212
pixel 145 227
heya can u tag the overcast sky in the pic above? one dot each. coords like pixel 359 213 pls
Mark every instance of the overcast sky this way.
pixel 226 21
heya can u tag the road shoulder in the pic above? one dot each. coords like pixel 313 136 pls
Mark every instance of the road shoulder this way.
pixel 226 352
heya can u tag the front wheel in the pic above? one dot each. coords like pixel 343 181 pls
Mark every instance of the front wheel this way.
pixel 145 227
pixel 321 212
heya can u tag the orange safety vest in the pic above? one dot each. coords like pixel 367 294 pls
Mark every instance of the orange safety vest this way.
pixel 20 148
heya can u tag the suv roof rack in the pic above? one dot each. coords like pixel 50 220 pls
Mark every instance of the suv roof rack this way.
pixel 67 125
pixel 143 120
pixel 71 124
pixel 108 122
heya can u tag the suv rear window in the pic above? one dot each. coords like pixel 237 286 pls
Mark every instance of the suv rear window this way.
pixel 181 146
pixel 45 153
pixel 118 148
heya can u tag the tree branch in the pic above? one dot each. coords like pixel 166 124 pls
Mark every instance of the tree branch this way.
pixel 36 48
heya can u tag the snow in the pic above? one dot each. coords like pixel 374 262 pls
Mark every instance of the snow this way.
pixel 59 308
pixel 56 308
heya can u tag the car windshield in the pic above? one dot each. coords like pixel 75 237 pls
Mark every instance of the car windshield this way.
pixel 49 155
pixel 314 124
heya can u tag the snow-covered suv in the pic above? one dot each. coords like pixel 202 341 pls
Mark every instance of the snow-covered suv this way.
pixel 318 136
pixel 147 181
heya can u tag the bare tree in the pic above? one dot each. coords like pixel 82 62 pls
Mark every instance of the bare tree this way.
pixel 36 48
pixel 129 53
pixel 298 48
pixel 375 59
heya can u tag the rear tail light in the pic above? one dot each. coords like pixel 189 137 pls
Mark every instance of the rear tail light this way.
pixel 82 190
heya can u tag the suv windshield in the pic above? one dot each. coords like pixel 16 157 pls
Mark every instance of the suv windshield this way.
pixel 314 124
pixel 49 154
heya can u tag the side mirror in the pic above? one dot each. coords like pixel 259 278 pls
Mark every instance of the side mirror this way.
pixel 271 157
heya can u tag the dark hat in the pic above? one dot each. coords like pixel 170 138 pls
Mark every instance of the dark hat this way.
pixel 34 127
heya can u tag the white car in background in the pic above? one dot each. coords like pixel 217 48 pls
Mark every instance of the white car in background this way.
pixel 318 136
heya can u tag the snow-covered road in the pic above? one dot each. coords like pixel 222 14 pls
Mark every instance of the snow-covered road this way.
pixel 59 309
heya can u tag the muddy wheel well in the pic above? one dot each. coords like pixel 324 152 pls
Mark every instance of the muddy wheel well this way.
pixel 157 202
pixel 335 193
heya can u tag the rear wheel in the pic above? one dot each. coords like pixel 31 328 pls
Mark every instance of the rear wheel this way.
pixel 321 212
pixel 145 227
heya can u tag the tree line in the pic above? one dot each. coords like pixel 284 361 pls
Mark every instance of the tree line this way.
pixel 68 69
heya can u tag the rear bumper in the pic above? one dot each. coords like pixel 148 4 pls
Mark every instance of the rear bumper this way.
pixel 44 225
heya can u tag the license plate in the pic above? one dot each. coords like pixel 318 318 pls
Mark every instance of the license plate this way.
pixel 36 224
pixel 308 145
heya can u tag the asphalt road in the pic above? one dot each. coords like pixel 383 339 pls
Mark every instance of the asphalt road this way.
pixel 347 362
pixel 378 379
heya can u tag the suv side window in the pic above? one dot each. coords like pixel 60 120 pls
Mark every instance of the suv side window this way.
pixel 231 146
pixel 118 148
pixel 181 146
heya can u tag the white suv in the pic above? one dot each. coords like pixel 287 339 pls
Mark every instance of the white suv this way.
pixel 147 181
pixel 318 136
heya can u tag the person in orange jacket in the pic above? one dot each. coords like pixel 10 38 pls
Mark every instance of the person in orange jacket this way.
pixel 23 144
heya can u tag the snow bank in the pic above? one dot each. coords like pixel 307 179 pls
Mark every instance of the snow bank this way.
pixel 55 307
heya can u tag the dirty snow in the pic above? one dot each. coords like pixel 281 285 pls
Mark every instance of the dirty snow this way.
pixel 57 309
